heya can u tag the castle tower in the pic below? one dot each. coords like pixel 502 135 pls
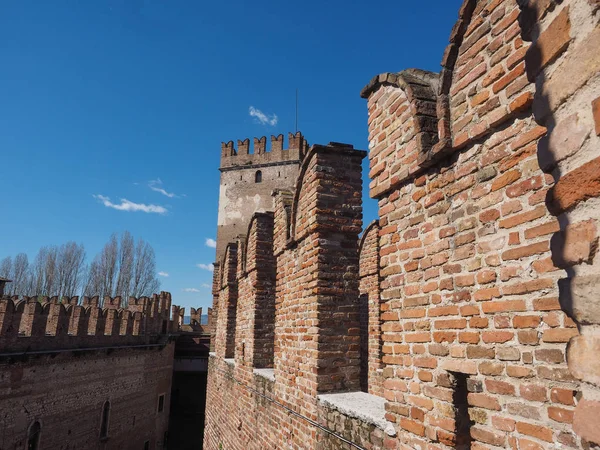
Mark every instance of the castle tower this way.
pixel 248 180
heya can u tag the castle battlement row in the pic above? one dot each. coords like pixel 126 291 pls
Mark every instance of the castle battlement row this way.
pixel 232 157
pixel 43 323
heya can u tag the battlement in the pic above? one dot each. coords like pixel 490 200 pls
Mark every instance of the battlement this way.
pixel 259 154
pixel 43 323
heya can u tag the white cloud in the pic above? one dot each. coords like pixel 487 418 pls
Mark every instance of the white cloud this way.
pixel 209 267
pixel 163 274
pixel 206 286
pixel 126 205
pixel 210 243
pixel 191 290
pixel 263 118
pixel 155 185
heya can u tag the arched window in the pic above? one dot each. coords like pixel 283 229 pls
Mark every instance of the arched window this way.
pixel 104 423
pixel 258 176
pixel 33 436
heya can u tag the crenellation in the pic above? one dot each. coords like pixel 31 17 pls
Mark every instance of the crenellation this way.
pixel 195 316
pixel 243 147
pixel 282 206
pixel 260 145
pixel 43 323
pixel 227 150
pixel 260 155
pixel 277 143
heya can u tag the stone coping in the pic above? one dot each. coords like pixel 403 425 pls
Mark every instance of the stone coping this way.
pixel 269 374
pixel 360 405
pixel 230 361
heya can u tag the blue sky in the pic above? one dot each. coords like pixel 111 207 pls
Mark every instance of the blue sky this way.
pixel 100 98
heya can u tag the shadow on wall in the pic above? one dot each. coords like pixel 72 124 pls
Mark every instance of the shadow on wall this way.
pixel 544 116
pixel 574 244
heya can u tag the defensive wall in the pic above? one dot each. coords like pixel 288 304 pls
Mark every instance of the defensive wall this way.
pixel 467 316
pixel 86 374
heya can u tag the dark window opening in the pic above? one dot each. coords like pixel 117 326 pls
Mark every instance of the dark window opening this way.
pixel 164 327
pixel 33 437
pixel 258 177
pixel 161 403
pixel 147 445
pixel 461 408
pixel 104 423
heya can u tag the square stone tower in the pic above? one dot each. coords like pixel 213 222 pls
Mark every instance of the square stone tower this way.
pixel 249 179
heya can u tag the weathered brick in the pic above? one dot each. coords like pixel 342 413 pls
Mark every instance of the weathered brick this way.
pixel 537 431
pixel 575 244
pixel 549 45
pixel 525 251
pixel 560 414
pixel 575 187
pixel 483 401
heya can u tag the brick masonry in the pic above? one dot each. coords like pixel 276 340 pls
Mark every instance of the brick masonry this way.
pixel 62 361
pixel 471 307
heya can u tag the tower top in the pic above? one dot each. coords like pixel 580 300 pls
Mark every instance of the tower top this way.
pixel 242 157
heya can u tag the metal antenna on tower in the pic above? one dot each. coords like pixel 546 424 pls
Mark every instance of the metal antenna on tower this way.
pixel 296 110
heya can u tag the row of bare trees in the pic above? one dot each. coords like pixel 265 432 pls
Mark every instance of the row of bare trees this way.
pixel 123 267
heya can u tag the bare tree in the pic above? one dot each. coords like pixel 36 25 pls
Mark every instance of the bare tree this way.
pixel 6 267
pixel 42 272
pixel 20 275
pixel 108 266
pixel 93 280
pixel 122 268
pixel 69 269
pixel 126 258
pixel 6 272
pixel 144 280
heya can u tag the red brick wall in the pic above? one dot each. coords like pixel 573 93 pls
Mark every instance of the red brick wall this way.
pixel 485 266
pixel 317 338
pixel 227 303
pixel 60 361
pixel 256 304
pixel 564 63
pixel 66 394
pixel 47 323
pixel 371 366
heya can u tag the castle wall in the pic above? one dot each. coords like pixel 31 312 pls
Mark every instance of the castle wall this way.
pixel 66 392
pixel 312 242
pixel 475 341
pixel 61 361
pixel 371 344
pixel 475 301
pixel 563 62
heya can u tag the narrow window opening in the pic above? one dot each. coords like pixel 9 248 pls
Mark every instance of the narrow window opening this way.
pixel 161 403
pixel 104 423
pixel 164 327
pixel 258 177
pixel 147 445
pixel 33 437
pixel 461 408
